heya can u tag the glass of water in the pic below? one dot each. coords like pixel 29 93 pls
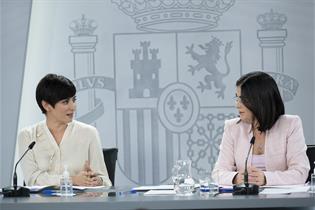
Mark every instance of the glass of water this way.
pixel 183 182
pixel 207 185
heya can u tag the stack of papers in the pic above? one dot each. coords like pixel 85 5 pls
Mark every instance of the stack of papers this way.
pixel 156 190
pixel 88 187
pixel 284 189
pixel 38 189
pixel 158 187
pixel 160 192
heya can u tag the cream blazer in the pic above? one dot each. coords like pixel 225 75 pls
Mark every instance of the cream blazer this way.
pixel 44 164
pixel 285 152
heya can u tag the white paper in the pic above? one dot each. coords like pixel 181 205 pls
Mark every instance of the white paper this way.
pixel 226 186
pixel 160 192
pixel 157 187
pixel 87 187
pixel 61 195
pixel 285 186
pixel 284 190
pixel 36 188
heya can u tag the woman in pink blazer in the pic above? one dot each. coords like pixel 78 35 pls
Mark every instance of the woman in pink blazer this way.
pixel 278 156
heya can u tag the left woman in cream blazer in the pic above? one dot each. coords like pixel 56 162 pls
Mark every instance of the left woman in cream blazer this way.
pixel 61 141
pixel 278 156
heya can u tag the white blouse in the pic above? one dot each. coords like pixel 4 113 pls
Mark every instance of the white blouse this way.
pixel 44 164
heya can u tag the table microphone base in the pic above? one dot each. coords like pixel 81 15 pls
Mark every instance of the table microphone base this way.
pixel 250 189
pixel 19 192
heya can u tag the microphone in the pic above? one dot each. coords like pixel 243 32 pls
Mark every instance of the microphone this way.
pixel 246 188
pixel 18 191
pixel 252 142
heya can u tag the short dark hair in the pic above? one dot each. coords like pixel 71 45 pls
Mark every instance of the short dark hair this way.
pixel 53 88
pixel 260 94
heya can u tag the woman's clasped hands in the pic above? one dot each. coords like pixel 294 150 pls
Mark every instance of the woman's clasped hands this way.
pixel 87 177
pixel 255 176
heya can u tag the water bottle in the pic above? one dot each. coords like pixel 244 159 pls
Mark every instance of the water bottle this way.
pixel 313 181
pixel 66 183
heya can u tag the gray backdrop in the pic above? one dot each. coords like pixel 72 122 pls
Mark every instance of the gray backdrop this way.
pixel 14 29
pixel 156 79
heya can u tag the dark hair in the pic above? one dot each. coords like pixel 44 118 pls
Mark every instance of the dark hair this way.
pixel 53 88
pixel 260 94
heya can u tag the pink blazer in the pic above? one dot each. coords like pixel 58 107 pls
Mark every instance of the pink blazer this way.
pixel 285 152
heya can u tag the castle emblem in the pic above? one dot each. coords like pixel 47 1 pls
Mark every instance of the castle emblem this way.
pixel 208 62
pixel 145 72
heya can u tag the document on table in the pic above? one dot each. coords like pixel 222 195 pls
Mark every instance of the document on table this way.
pixel 160 192
pixel 284 189
pixel 40 188
pixel 37 189
pixel 88 187
pixel 157 187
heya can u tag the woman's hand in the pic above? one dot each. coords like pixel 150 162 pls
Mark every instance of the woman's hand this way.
pixel 97 181
pixel 87 177
pixel 82 179
pixel 256 176
pixel 239 178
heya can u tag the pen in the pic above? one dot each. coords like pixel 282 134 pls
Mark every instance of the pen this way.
pixel 50 192
pixel 225 190
pixel 132 191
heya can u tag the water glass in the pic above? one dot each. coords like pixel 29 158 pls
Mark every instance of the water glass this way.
pixel 182 179
pixel 207 185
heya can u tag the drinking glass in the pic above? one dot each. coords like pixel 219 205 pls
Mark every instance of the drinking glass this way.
pixel 182 179
pixel 207 184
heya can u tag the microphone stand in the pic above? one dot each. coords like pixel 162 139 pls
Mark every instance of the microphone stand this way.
pixel 246 188
pixel 16 191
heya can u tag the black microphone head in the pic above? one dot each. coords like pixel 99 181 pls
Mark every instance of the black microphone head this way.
pixel 31 145
pixel 252 141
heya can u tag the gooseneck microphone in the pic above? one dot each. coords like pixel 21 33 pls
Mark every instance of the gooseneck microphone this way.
pixel 252 142
pixel 15 175
pixel 246 188
pixel 18 191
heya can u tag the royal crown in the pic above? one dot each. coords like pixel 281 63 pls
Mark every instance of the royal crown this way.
pixel 83 26
pixel 174 15
pixel 271 20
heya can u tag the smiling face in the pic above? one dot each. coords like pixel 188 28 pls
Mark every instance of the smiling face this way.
pixel 245 114
pixel 63 112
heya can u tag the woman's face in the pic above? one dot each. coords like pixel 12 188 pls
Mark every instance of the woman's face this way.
pixel 64 110
pixel 245 114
